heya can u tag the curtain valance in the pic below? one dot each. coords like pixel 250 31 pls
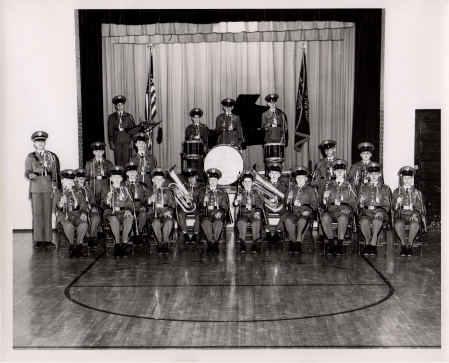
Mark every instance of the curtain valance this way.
pixel 238 32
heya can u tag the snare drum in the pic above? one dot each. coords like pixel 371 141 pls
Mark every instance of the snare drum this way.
pixel 274 152
pixel 226 159
pixel 193 149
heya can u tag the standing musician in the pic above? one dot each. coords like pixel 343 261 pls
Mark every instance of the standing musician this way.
pixel 214 204
pixel 274 175
pixel 71 211
pixel 340 202
pixel 160 205
pixel 193 187
pixel 86 192
pixel 197 130
pixel 250 205
pixel 274 122
pixel 136 190
pixel 97 169
pixel 42 169
pixel 118 123
pixel 118 209
pixel 374 199
pixel 324 166
pixel 408 208
pixel 229 126
pixel 359 170
pixel 144 159
pixel 303 201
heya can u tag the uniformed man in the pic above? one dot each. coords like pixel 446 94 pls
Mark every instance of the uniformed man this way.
pixel 197 130
pixel 160 205
pixel 42 169
pixel 274 178
pixel 136 191
pixel 359 171
pixel 86 192
pixel 118 123
pixel 193 187
pixel 143 158
pixel 228 125
pixel 374 199
pixel 339 200
pixel 408 208
pixel 250 206
pixel 303 202
pixel 97 169
pixel 323 167
pixel 118 209
pixel 214 205
pixel 274 122
pixel 71 211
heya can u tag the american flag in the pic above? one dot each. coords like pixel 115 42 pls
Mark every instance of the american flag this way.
pixel 150 99
pixel 302 127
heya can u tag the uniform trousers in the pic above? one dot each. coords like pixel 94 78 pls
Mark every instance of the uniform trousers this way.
pixel 141 219
pixel 212 226
pixel 156 223
pixel 331 217
pixel 399 226
pixel 255 225
pixel 42 209
pixel 183 223
pixel 94 223
pixel 115 220
pixel 300 221
pixel 364 222
pixel 69 225
pixel 121 153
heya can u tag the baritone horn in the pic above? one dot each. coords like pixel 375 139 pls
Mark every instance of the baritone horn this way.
pixel 269 192
pixel 182 196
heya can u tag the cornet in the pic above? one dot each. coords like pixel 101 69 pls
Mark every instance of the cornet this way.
pixel 180 192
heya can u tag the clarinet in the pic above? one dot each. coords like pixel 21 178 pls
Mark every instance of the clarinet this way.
pixel 238 193
pixel 134 209
pixel 155 201
pixel 111 189
pixel 207 194
pixel 400 195
pixel 89 207
pixel 65 208
pixel 326 189
pixel 290 190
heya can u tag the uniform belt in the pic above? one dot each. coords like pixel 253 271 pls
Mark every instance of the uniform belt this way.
pixel 301 205
pixel 407 207
pixel 71 209
pixel 372 207
pixel 341 203
pixel 41 174
pixel 100 177
pixel 145 172
pixel 137 200
pixel 210 207
pixel 119 208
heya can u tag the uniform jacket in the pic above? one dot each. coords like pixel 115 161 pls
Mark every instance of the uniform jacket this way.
pixel 411 199
pixel 378 196
pixel 48 166
pixel 114 134
pixel 230 129
pixel 87 193
pixel 76 206
pixel 251 202
pixel 341 197
pixel 95 168
pixel 363 173
pixel 276 122
pixel 146 163
pixel 303 199
pixel 323 164
pixel 137 191
pixel 122 201
pixel 194 190
pixel 165 201
pixel 218 201
pixel 192 131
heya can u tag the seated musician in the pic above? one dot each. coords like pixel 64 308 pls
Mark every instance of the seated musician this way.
pixel 408 208
pixel 340 202
pixel 274 175
pixel 160 205
pixel 374 198
pixel 144 159
pixel 193 187
pixel 323 167
pixel 274 122
pixel 358 172
pixel 117 208
pixel 214 204
pixel 97 169
pixel 303 202
pixel 88 195
pixel 71 211
pixel 228 125
pixel 250 206
pixel 136 190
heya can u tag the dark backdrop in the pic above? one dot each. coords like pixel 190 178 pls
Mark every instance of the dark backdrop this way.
pixel 366 126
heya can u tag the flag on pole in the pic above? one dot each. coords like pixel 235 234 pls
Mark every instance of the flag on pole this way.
pixel 150 99
pixel 302 127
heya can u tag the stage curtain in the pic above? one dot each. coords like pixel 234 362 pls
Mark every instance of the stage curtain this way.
pixel 189 75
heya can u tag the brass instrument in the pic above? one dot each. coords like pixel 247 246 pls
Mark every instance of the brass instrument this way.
pixel 207 194
pixel 315 178
pixel 268 192
pixel 113 199
pixel 155 200
pixel 180 192
pixel 86 197
pixel 357 176
pixel 65 209
pixel 326 189
pixel 290 191
pixel 135 215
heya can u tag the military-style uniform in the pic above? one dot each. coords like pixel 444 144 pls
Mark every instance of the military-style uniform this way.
pixel 321 167
pixel 282 187
pixel 229 126
pixel 199 132
pixel 42 171
pixel 217 203
pixel 97 170
pixel 146 163
pixel 194 191
pixel 360 168
pixel 137 191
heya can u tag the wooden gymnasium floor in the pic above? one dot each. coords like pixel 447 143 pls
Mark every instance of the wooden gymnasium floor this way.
pixel 188 300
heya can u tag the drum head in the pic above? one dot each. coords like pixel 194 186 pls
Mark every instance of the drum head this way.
pixel 226 159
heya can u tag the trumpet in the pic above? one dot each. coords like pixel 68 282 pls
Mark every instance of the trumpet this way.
pixel 180 192
pixel 268 191
pixel 315 178
pixel 111 189
pixel 155 200
pixel 65 209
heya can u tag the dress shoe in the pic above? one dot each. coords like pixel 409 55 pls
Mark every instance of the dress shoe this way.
pixel 48 244
pixel 366 250
pixel 331 250
pixel 403 251
pixel 254 247
pixel 409 251
pixel 117 251
pixel 242 246
pixel 216 250
pixel 39 245
pixel 373 250
pixel 194 238
pixel 79 251
pixel 186 238
pixel 124 250
pixel 72 251
pixel 292 247
pixel 91 242
pixel 210 248
pixel 160 250
pixel 298 247
pixel 339 249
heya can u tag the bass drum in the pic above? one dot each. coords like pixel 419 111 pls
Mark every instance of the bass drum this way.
pixel 226 159
pixel 274 152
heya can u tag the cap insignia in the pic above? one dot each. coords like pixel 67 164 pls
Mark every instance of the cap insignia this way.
pixel 39 133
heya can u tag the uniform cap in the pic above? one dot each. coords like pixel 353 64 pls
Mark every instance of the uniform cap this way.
pixel 407 170
pixel 141 136
pixel 118 99
pixel 196 111
pixel 67 174
pixel 98 145
pixel 327 144
pixel 366 146
pixel 158 172
pixel 213 173
pixel 340 164
pixel 374 167
pixel 301 170
pixel 131 166
pixel 190 172
pixel 272 97
pixel 247 174
pixel 39 135
pixel 275 167
pixel 116 170
pixel 80 173
pixel 228 102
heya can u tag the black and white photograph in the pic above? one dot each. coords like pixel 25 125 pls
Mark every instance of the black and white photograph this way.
pixel 217 181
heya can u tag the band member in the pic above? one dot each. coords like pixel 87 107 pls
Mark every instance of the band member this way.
pixel 160 205
pixel 118 123
pixel 136 191
pixel 303 201
pixel 228 125
pixel 193 187
pixel 97 169
pixel 323 167
pixel 197 130
pixel 340 202
pixel 250 205
pixel 118 209
pixel 71 211
pixel 408 208
pixel 274 175
pixel 374 198
pixel 42 169
pixel 214 204
pixel 359 171
pixel 274 122
pixel 86 192
pixel 143 158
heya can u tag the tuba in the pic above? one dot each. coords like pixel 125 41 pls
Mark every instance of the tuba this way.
pixel 268 192
pixel 180 192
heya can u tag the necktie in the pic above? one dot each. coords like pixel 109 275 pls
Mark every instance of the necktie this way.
pixel 121 121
